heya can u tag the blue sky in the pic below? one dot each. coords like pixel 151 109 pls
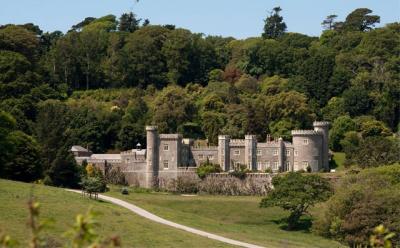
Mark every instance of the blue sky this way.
pixel 237 18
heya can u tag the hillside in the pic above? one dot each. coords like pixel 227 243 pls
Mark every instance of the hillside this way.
pixel 62 207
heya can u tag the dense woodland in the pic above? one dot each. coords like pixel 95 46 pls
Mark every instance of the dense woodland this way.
pixel 100 83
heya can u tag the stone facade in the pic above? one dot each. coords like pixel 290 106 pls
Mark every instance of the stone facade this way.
pixel 169 156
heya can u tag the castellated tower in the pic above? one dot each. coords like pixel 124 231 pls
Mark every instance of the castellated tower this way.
pixel 323 128
pixel 224 152
pixel 308 150
pixel 152 164
pixel 250 152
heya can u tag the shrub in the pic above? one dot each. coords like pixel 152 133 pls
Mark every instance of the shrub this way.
pixel 361 202
pixel 240 171
pixel 268 170
pixel 206 168
pixel 124 191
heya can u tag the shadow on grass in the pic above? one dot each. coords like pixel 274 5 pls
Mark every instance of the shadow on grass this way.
pixel 303 225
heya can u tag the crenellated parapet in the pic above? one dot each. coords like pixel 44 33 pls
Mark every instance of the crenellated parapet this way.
pixel 237 141
pixel 151 128
pixel 170 136
pixel 305 132
pixel 205 148
pixel 321 123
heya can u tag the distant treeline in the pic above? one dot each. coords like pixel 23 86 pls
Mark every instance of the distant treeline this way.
pixel 99 84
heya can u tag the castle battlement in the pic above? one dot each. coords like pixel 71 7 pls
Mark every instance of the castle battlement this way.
pixel 306 132
pixel 237 141
pixel 204 148
pixel 170 136
pixel 151 128
pixel 321 123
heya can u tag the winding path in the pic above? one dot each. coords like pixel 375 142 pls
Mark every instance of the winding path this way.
pixel 155 218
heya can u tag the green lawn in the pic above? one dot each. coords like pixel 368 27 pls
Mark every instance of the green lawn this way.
pixel 338 160
pixel 62 207
pixel 234 217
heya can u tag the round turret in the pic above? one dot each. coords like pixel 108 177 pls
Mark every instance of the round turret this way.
pixel 152 155
pixel 307 150
pixel 323 128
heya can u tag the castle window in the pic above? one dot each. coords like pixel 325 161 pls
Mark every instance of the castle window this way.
pixel 275 165
pixel 287 165
pixel 165 163
pixel 201 156
pixel 296 153
pixel 287 153
pixel 166 147
pixel 267 165
pixel 305 141
pixel 259 152
pixel 236 152
pixel 210 157
pixel 127 160
pixel 259 166
pixel 275 152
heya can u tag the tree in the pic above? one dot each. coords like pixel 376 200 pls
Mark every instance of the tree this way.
pixel 92 45
pixel 7 125
pixel 360 203
pixel 143 61
pixel 340 126
pixel 274 26
pixel 356 101
pixel 64 171
pixel 50 129
pixel 172 108
pixel 360 20
pixel 25 163
pixel 329 22
pixel 85 22
pixel 19 39
pixel 377 151
pixel 12 66
pixel 212 123
pixel 297 193
pixel 128 23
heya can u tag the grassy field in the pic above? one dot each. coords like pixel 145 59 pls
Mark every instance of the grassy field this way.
pixel 62 207
pixel 338 160
pixel 234 217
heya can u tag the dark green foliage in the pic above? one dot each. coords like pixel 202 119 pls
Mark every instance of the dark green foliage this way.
pixel 274 26
pixel 94 184
pixel 128 22
pixel 360 20
pixel 7 124
pixel 240 171
pixel 200 86
pixel 124 191
pixel 206 168
pixel 25 163
pixel 63 171
pixel 375 151
pixel 362 202
pixel 340 127
pixel 296 193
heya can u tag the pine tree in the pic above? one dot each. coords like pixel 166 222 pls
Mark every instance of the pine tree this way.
pixel 274 26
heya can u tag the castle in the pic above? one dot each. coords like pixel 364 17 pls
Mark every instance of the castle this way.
pixel 168 156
